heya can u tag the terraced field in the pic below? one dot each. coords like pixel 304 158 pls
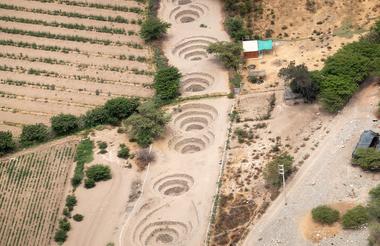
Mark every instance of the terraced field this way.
pixel 68 56
pixel 32 191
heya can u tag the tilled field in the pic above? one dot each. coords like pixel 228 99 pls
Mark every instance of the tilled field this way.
pixel 68 56
pixel 31 193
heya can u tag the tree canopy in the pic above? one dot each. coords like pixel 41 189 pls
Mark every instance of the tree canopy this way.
pixel 235 28
pixel 64 124
pixel 166 83
pixel 228 53
pixel 271 174
pixel 120 108
pixel 32 134
pixel 153 29
pixel 7 144
pixel 147 124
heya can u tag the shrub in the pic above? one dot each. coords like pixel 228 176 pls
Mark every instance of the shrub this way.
pixel 144 157
pixel 300 81
pixel 355 218
pixel 102 145
pixel 64 224
pixel 96 116
pixel 60 236
pixel 325 215
pixel 120 108
pixel 375 192
pixel 89 183
pixel 78 217
pixel 32 134
pixel 64 124
pixel 235 28
pixel 367 158
pixel 98 172
pixel 6 142
pixel 271 174
pixel 146 125
pixel 123 152
pixel 153 29
pixel 83 155
pixel 66 212
pixel 71 202
pixel 228 53
pixel 166 83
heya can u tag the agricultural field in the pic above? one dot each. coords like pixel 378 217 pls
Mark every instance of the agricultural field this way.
pixel 68 56
pixel 32 191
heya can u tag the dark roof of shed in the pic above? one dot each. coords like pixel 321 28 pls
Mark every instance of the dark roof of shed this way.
pixel 366 139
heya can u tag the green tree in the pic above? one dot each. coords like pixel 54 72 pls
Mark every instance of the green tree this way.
pixel 374 35
pixel 7 144
pixel 71 202
pixel 96 116
pixel 32 134
pixel 99 172
pixel 367 158
pixel 123 152
pixel 60 236
pixel 235 28
pixel 336 91
pixel 64 224
pixel 355 218
pixel 228 53
pixel 64 124
pixel 153 29
pixel 325 215
pixel 271 174
pixel 146 125
pixel 300 80
pixel 89 183
pixel 78 217
pixel 166 83
pixel 120 108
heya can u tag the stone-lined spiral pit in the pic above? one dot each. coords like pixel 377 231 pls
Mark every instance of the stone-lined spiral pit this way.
pixel 174 185
pixel 195 116
pixel 163 233
pixel 190 145
pixel 188 12
pixel 193 48
pixel 195 82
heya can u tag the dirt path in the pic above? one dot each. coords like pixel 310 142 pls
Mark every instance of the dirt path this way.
pixel 327 177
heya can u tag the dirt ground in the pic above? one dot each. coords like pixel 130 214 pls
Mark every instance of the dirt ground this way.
pixel 297 129
pixel 72 81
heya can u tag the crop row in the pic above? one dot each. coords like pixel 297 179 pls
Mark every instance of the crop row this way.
pixel 74 38
pixel 24 83
pixel 103 29
pixel 32 189
pixel 117 19
pixel 65 50
pixel 136 10
pixel 46 73
pixel 80 66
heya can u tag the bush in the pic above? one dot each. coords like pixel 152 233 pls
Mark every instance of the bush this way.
pixel 96 116
pixel 367 158
pixel 71 202
pixel 144 157
pixel 375 192
pixel 153 29
pixel 98 172
pixel 120 108
pixel 60 236
pixel 64 224
pixel 64 124
pixel 300 81
pixel 83 155
pixel 102 145
pixel 89 183
pixel 235 28
pixel 123 152
pixel 66 212
pixel 325 215
pixel 355 218
pixel 166 83
pixel 78 217
pixel 228 53
pixel 6 142
pixel 146 125
pixel 33 134
pixel 271 174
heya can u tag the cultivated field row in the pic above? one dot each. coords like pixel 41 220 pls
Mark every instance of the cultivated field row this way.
pixel 32 189
pixel 64 56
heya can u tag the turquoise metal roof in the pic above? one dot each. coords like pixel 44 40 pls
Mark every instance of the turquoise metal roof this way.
pixel 265 45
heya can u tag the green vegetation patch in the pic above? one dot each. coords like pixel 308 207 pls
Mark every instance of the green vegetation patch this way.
pixel 325 215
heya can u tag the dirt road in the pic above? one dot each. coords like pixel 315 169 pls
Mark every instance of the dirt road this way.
pixel 327 177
